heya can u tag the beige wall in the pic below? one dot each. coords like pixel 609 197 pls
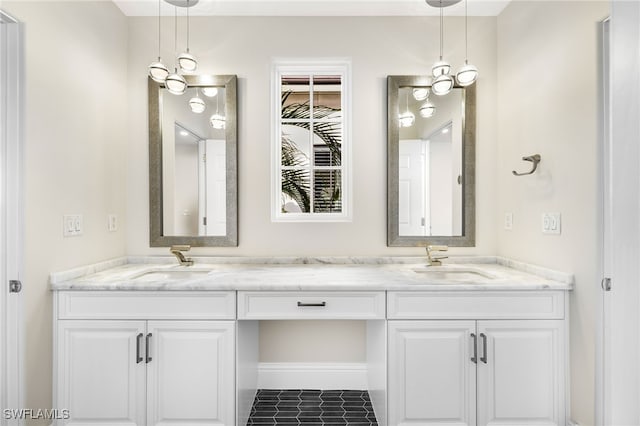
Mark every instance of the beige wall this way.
pixel 75 139
pixel 548 105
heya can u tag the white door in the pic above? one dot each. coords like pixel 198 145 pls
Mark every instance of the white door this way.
pixel 101 372
pixel 412 188
pixel 432 374
pixel 521 373
pixel 191 373
pixel 621 319
pixel 10 218
pixel 212 187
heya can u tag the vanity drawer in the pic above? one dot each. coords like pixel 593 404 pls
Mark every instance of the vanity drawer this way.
pixel 311 305
pixel 476 305
pixel 201 305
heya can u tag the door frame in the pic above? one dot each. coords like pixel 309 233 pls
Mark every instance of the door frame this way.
pixel 11 215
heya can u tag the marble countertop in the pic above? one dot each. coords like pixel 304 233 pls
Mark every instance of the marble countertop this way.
pixel 311 274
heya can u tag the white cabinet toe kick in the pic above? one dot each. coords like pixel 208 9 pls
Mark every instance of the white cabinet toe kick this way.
pixel 192 357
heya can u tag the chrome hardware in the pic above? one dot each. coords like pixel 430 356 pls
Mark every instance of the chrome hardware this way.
pixel 535 159
pixel 177 252
pixel 474 358
pixel 606 284
pixel 321 304
pixel 138 344
pixel 148 348
pixel 15 286
pixel 483 358
pixel 435 261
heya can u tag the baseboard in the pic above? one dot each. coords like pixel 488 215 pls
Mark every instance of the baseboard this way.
pixel 281 375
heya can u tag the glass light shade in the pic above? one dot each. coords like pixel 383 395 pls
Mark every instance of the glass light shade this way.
pixel 187 62
pixel 197 105
pixel 427 110
pixel 440 68
pixel 420 94
pixel 442 85
pixel 406 119
pixel 209 92
pixel 467 75
pixel 158 72
pixel 176 84
pixel 217 121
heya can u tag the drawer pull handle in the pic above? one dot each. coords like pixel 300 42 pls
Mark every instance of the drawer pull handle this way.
pixel 474 358
pixel 321 304
pixel 138 344
pixel 483 358
pixel 149 359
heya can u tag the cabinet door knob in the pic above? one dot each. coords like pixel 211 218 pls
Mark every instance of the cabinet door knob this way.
pixel 474 358
pixel 138 344
pixel 483 358
pixel 148 347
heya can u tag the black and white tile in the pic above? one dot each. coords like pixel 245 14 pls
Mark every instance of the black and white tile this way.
pixel 273 407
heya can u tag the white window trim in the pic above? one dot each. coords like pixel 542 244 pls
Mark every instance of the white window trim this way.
pixel 282 66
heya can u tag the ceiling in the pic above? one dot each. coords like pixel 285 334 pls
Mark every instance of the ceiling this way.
pixel 312 8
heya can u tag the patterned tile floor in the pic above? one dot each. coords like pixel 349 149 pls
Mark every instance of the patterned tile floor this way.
pixel 312 408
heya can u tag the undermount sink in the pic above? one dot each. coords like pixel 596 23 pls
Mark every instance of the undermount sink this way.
pixel 453 275
pixel 166 275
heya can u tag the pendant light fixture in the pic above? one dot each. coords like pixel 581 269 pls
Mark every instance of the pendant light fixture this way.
pixel 157 70
pixel 428 108
pixel 210 92
pixel 186 60
pixel 176 84
pixel 443 82
pixel 197 104
pixel 468 74
pixel 406 119
pixel 420 93
pixel 217 121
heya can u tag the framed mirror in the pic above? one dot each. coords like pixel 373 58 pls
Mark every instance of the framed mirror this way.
pixel 430 164
pixel 193 189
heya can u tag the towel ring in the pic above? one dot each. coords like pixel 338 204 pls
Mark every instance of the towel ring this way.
pixel 535 159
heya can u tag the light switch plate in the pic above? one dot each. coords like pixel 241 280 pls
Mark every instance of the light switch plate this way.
pixel 508 221
pixel 112 223
pixel 72 225
pixel 551 223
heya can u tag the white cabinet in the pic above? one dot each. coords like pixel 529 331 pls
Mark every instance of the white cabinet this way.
pixel 190 378
pixel 144 372
pixel 488 372
pixel 99 381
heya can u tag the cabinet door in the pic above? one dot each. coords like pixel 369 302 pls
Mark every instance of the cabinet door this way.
pixel 522 380
pixel 99 378
pixel 432 378
pixel 191 373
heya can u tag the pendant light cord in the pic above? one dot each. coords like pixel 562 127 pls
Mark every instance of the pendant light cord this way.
pixel 175 33
pixel 441 29
pixel 466 36
pixel 159 32
pixel 188 26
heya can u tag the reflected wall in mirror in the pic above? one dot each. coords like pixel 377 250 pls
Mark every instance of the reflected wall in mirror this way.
pixel 192 163
pixel 431 164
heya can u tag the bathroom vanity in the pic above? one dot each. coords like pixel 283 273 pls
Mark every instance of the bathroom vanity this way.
pixel 478 343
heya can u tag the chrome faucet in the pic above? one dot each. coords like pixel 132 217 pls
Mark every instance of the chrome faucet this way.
pixel 436 261
pixel 177 252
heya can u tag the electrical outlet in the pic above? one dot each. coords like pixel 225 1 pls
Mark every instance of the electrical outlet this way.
pixel 72 225
pixel 551 223
pixel 112 223
pixel 508 221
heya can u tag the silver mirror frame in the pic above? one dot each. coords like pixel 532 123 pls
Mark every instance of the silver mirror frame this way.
pixel 394 83
pixel 156 237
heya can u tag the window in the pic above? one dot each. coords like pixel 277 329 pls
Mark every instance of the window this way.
pixel 311 147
